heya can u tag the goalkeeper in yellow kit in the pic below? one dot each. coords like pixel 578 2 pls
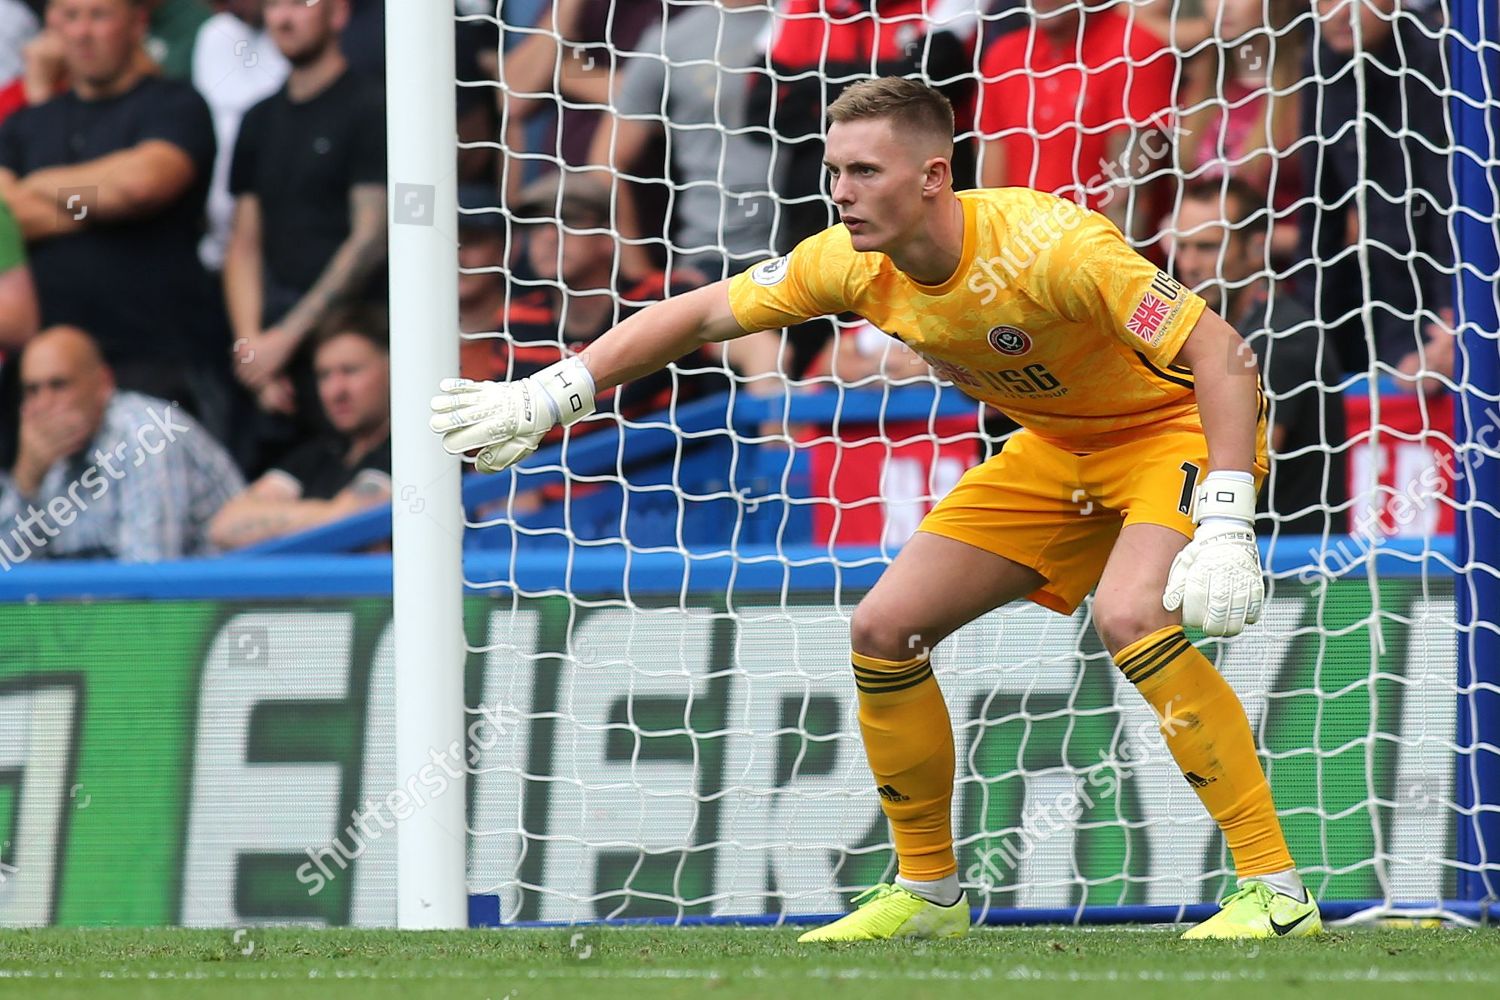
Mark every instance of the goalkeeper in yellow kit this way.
pixel 1136 470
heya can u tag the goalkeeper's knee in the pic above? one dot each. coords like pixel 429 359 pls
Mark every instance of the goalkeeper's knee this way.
pixel 881 631
pixel 1121 620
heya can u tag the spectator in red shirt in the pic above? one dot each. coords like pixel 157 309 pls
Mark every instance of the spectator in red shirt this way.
pixel 1074 103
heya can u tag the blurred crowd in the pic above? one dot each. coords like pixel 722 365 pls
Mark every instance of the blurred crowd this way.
pixel 193 212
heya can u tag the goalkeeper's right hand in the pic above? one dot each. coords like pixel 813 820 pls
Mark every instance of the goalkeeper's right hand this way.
pixel 507 420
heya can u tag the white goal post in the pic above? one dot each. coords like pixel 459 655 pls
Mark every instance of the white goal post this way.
pixel 427 522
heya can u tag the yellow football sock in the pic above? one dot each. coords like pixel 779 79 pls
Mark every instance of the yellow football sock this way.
pixel 909 742
pixel 1206 730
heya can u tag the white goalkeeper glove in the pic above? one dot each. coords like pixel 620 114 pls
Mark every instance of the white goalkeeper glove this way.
pixel 507 420
pixel 1216 579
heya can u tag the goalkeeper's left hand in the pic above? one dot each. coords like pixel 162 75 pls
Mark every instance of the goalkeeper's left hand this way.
pixel 1216 579
pixel 507 420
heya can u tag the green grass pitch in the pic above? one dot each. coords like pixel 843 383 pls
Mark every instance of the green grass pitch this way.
pixel 604 963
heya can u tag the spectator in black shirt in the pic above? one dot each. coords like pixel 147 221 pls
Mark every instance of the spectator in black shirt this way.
pixel 108 182
pixel 1219 248
pixel 340 473
pixel 308 178
pixel 1400 119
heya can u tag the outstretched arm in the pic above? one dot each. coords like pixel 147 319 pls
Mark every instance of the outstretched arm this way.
pixel 656 336
pixel 505 421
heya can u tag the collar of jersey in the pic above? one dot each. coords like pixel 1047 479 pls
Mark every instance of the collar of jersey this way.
pixel 965 256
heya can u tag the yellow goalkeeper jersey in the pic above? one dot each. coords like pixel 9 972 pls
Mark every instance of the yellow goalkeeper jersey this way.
pixel 1050 317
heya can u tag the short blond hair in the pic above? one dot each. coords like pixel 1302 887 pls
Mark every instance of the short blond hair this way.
pixel 909 103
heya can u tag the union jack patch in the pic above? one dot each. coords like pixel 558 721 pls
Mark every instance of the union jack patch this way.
pixel 1149 317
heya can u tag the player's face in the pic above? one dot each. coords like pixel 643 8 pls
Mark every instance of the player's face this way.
pixel 302 30
pixel 99 37
pixel 876 182
pixel 354 383
pixel 1200 248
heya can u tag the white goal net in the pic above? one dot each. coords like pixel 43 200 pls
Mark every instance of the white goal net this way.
pixel 660 603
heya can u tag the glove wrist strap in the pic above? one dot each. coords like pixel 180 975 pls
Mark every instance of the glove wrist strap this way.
pixel 1226 523
pixel 568 387
pixel 1225 497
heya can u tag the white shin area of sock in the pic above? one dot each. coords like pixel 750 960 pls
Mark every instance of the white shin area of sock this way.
pixel 943 891
pixel 1288 882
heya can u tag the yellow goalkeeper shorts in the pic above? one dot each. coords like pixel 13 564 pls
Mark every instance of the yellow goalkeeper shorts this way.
pixel 1060 513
